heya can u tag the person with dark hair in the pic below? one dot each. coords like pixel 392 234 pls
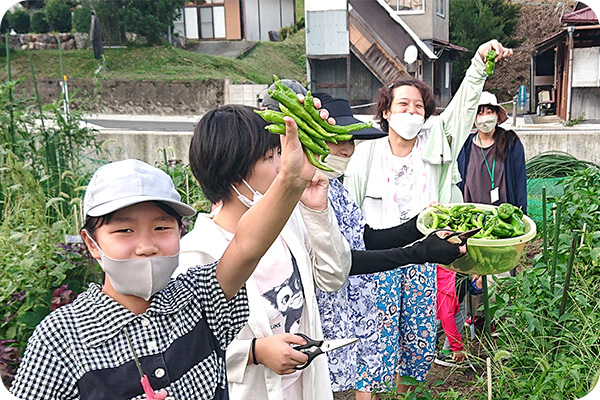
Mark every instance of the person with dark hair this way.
pixel 235 161
pixel 352 310
pixel 179 328
pixel 492 167
pixel 392 179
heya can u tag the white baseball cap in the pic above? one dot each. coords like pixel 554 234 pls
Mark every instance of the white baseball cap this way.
pixel 124 183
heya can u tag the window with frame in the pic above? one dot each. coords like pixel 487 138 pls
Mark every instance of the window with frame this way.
pixel 407 6
pixel 440 8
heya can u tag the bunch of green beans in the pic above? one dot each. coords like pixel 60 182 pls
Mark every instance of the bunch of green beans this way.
pixel 313 131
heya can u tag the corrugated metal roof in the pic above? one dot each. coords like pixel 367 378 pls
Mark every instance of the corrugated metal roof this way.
pixel 585 15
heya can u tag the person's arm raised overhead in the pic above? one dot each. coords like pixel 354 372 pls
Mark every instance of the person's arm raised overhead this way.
pixel 262 223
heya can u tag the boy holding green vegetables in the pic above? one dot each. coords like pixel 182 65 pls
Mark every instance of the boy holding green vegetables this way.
pixel 179 328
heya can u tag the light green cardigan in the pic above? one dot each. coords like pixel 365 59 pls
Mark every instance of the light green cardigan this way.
pixel 449 130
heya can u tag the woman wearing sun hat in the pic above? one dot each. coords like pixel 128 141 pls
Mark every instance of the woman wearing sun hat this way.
pixel 492 167
pixel 492 161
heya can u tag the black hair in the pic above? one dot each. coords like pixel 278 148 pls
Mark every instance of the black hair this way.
pixel 386 97
pixel 503 138
pixel 227 143
pixel 93 223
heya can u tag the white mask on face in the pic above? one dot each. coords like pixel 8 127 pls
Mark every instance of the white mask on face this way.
pixel 141 277
pixel 256 196
pixel 338 163
pixel 486 123
pixel 406 125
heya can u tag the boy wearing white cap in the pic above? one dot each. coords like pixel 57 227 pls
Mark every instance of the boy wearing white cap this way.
pixel 179 328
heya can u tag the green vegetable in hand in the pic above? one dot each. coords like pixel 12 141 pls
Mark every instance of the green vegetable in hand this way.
pixel 490 64
pixel 313 131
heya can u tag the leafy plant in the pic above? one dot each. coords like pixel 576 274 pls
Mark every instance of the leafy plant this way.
pixel 149 18
pixel 19 21
pixel 416 391
pixel 39 24
pixel 82 19
pixel 184 181
pixel 4 24
pixel 573 122
pixel 58 15
pixel 554 354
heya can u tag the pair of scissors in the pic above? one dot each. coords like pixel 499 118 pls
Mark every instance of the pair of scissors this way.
pixel 461 237
pixel 313 348
pixel 144 378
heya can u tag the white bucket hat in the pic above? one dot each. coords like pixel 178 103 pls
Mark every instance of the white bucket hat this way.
pixel 489 99
pixel 124 183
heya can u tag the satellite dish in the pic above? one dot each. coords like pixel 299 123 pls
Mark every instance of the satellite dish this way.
pixel 410 54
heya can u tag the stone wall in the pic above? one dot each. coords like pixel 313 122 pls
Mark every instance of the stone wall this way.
pixel 117 96
pixel 43 41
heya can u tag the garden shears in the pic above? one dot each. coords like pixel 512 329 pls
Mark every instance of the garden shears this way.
pixel 144 378
pixel 313 348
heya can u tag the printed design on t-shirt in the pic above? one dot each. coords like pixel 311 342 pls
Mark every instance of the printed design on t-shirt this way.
pixel 288 298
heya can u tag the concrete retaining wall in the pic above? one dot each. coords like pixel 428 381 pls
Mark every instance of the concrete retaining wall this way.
pixel 584 145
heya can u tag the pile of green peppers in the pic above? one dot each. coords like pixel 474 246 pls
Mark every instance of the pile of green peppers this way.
pixel 505 221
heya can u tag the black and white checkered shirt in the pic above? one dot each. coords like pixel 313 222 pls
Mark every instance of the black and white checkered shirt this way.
pixel 80 351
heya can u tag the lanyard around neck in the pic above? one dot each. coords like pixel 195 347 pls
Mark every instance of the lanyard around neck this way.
pixel 490 172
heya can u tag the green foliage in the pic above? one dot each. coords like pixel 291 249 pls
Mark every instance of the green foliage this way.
pixel 46 160
pixel 573 122
pixel 473 22
pixel 19 21
pixel 82 19
pixel 39 24
pixel 149 18
pixel 416 391
pixel 108 14
pixel 549 357
pixel 4 24
pixel 58 15
pixel 168 63
pixel 184 181
pixel 32 4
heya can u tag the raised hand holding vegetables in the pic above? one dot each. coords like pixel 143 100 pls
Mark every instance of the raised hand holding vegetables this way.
pixel 313 131
pixel 490 64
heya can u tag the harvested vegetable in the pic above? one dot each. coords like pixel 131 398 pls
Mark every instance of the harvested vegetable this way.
pixel 490 64
pixel 505 221
pixel 313 131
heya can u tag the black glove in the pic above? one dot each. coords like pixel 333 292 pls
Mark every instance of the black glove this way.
pixel 434 250
pixel 431 249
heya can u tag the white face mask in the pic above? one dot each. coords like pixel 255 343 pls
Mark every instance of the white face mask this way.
pixel 406 125
pixel 486 123
pixel 338 163
pixel 256 196
pixel 141 277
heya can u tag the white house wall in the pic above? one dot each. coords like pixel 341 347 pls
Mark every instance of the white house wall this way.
pixel 327 33
pixel 586 67
pixel 263 16
pixel 323 5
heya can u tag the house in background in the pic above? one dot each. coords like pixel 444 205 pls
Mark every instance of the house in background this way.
pixel 353 47
pixel 250 20
pixel 565 68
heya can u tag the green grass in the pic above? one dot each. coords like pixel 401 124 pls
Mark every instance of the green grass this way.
pixel 285 59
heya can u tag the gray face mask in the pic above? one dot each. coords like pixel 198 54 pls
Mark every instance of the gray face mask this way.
pixel 338 163
pixel 486 123
pixel 141 277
